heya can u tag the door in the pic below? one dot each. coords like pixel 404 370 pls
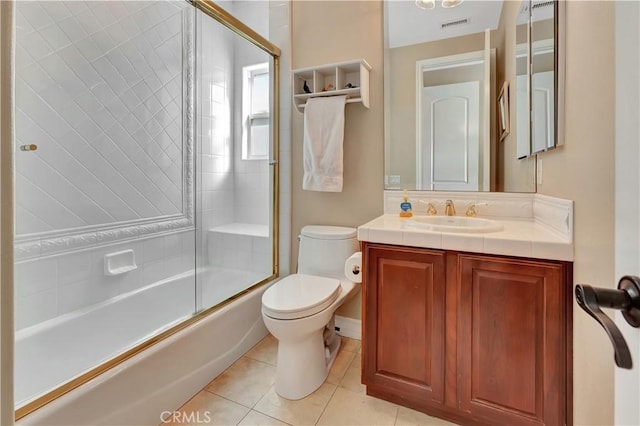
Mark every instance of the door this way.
pixel 404 324
pixel 627 258
pixel 451 136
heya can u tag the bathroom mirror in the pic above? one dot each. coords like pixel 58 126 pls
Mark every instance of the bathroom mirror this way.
pixel 442 50
pixel 544 87
pixel 522 119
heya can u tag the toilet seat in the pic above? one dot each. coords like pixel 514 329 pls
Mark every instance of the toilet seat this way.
pixel 299 295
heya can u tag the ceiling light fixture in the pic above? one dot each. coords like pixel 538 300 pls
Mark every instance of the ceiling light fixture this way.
pixel 451 3
pixel 431 4
pixel 426 4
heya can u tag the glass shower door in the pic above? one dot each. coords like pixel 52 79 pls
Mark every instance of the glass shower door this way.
pixel 235 127
pixel 105 240
pixel 145 179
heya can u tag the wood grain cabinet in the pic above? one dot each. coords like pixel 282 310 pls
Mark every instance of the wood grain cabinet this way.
pixel 477 339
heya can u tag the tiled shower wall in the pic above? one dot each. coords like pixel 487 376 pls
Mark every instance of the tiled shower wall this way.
pixel 99 90
pixel 51 286
pixel 236 190
pixel 215 139
pixel 251 176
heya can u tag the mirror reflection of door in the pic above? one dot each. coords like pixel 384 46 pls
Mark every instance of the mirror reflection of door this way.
pixel 542 76
pixel 451 137
pixel 542 102
pixel 453 142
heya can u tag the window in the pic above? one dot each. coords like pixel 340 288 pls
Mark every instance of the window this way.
pixel 256 112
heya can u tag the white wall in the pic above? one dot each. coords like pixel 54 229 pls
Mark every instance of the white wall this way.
pixel 583 170
pixel 627 195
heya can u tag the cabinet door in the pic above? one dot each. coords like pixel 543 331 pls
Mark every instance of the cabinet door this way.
pixel 404 324
pixel 511 365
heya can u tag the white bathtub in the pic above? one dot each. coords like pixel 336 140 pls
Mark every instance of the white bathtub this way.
pixel 62 348
pixel 158 379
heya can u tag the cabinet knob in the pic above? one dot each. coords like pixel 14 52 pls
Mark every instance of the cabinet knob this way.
pixel 626 298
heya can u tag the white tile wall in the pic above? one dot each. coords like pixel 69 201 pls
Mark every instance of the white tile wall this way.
pixel 56 285
pixel 236 190
pixel 279 29
pixel 99 90
pixel 102 115
pixel 243 252
pixel 214 106
pixel 252 183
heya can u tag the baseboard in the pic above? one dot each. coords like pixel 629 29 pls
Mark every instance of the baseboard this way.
pixel 349 327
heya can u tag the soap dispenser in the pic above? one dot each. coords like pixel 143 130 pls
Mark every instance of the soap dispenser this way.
pixel 405 206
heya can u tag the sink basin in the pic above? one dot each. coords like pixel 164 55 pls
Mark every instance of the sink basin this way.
pixel 459 224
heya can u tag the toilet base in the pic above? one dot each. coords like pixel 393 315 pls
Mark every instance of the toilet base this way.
pixel 307 367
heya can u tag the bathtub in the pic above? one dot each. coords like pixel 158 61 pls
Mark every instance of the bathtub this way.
pixel 155 380
pixel 62 348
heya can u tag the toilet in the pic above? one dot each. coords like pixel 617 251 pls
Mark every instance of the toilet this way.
pixel 299 309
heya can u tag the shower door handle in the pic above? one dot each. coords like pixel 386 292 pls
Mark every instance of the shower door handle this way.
pixel 626 298
pixel 273 162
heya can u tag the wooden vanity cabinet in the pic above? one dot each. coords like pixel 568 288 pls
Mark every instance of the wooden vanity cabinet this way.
pixel 474 338
pixel 404 323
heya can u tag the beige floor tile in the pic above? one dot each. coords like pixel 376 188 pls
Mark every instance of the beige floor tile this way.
pixel 351 345
pixel 352 378
pixel 245 382
pixel 207 408
pixel 305 411
pixel 350 408
pixel 266 350
pixel 340 366
pixel 255 418
pixel 407 417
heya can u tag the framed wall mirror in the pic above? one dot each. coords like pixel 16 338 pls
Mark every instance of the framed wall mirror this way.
pixel 444 68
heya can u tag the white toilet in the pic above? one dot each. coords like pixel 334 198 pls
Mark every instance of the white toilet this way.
pixel 299 309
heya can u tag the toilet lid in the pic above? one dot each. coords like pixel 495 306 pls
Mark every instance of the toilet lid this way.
pixel 299 296
pixel 323 232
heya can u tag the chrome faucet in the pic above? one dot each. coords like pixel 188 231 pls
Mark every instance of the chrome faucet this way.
pixel 449 208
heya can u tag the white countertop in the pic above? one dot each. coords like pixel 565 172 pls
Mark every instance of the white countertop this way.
pixel 522 238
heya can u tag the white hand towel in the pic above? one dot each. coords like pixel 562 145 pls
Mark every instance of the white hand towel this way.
pixel 323 136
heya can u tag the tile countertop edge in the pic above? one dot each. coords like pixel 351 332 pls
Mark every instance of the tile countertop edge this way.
pixel 555 214
pixel 536 241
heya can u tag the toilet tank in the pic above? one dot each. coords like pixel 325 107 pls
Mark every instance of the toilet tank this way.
pixel 324 249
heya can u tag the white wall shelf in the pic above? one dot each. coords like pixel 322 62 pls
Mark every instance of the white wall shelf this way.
pixel 349 78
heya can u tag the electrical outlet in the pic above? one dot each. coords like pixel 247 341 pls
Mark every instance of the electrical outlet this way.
pixel 394 180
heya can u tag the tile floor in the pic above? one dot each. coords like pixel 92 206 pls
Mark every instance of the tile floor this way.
pixel 244 394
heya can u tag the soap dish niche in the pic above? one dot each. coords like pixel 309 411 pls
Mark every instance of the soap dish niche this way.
pixel 119 262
